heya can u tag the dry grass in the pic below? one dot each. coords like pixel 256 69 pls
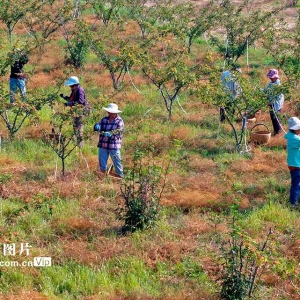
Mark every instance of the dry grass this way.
pixel 193 197
pixel 26 295
pixel 92 238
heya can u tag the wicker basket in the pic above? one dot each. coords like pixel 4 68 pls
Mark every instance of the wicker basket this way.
pixel 260 136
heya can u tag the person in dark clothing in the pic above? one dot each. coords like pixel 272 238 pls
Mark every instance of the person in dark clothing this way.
pixel 17 76
pixel 77 97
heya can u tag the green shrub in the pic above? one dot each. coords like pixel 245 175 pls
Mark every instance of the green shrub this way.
pixel 141 191
pixel 244 262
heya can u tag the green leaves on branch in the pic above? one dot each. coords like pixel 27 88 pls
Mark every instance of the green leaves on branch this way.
pixel 244 261
pixel 284 46
pixel 242 26
pixel 24 108
pixel 141 190
pixel 77 43
pixel 117 57
pixel 106 11
pixel 168 71
pixel 63 137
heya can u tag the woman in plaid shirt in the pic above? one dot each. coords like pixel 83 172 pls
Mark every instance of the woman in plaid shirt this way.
pixel 110 139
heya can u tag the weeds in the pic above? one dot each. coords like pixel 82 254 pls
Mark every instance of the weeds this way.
pixel 4 178
pixel 34 204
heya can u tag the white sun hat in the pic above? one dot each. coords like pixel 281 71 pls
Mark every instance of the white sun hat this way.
pixel 72 80
pixel 294 123
pixel 112 108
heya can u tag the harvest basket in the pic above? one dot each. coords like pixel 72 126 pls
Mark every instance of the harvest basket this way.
pixel 260 136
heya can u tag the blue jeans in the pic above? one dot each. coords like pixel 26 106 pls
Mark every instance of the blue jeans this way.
pixel 15 85
pixel 295 186
pixel 115 156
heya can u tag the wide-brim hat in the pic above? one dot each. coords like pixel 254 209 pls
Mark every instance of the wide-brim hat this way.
pixel 294 123
pixel 112 108
pixel 273 73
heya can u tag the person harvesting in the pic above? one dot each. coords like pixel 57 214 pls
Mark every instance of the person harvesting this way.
pixel 110 139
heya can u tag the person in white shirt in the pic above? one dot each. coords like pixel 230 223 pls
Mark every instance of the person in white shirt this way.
pixel 276 99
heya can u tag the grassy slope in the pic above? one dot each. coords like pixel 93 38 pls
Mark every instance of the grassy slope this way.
pixel 72 219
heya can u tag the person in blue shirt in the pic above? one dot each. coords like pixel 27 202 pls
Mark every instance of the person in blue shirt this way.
pixel 293 158
pixel 232 90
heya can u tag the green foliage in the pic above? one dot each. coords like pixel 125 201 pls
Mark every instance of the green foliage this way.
pixel 144 15
pixel 64 136
pixel 126 275
pixel 190 268
pixel 11 279
pixel 283 46
pixel 242 29
pixel 170 267
pixel 272 213
pixel 12 12
pixel 38 175
pixel 193 21
pixel 77 44
pixel 45 18
pixel 47 68
pixel 4 178
pixel 29 151
pixel 22 109
pixel 244 261
pixel 117 58
pixel 107 11
pixel 173 73
pixel 37 203
pixel 141 191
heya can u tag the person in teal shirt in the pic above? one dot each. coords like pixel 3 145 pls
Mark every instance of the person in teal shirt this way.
pixel 293 158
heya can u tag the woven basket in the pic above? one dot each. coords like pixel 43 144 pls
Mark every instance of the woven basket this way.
pixel 260 136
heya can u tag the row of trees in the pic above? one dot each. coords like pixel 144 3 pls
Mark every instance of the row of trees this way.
pixel 159 39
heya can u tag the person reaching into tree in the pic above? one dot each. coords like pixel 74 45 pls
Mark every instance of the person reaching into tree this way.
pixel 232 90
pixel 17 80
pixel 275 99
pixel 77 97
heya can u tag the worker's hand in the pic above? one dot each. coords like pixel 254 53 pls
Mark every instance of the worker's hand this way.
pixel 97 127
pixel 62 96
pixel 107 134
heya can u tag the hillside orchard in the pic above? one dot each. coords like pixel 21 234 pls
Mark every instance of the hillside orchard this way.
pixel 202 212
